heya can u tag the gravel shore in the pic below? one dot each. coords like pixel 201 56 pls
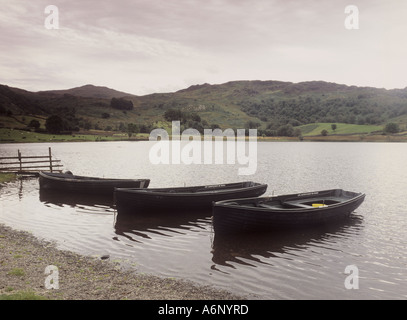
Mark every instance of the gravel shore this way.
pixel 24 258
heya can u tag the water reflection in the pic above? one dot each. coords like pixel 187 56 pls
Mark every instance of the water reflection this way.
pixel 21 184
pixel 60 198
pixel 141 224
pixel 84 203
pixel 258 248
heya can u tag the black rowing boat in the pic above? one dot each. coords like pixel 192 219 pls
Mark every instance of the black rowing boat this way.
pixel 286 211
pixel 90 185
pixel 196 197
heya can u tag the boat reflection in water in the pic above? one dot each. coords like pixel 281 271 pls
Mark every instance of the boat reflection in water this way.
pixel 60 198
pixel 139 223
pixel 228 249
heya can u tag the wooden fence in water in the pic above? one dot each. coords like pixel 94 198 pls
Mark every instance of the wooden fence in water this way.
pixel 30 164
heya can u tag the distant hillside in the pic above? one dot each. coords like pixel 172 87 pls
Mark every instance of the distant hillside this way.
pixel 265 105
pixel 90 91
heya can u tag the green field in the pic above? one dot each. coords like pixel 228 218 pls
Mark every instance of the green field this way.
pixel 314 129
pixel 310 131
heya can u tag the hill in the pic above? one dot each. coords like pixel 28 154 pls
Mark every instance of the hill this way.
pixel 89 91
pixel 275 103
pixel 265 105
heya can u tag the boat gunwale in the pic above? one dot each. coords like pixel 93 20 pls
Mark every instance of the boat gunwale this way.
pixel 158 192
pixel 84 179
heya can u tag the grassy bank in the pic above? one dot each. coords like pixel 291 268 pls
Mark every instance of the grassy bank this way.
pixel 7 177
pixel 311 132
pixel 18 136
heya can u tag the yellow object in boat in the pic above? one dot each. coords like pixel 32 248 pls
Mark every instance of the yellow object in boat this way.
pixel 317 205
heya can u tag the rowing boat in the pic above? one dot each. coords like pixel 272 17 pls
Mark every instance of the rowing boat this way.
pixel 82 184
pixel 195 197
pixel 286 211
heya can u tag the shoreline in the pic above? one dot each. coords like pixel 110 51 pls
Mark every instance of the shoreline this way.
pixel 380 139
pixel 24 259
pixel 21 136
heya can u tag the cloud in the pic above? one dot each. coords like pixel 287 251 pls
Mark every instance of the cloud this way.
pixel 145 46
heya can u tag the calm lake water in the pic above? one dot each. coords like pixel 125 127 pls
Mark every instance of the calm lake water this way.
pixel 307 264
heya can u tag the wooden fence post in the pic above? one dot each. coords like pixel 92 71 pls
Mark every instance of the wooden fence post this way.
pixel 50 159
pixel 19 159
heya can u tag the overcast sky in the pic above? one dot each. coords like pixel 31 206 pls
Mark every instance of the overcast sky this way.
pixel 147 46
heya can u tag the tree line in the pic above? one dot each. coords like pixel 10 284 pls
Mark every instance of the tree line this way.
pixel 304 110
pixel 188 120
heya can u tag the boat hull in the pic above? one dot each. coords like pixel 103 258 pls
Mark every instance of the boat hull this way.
pixel 232 216
pixel 87 185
